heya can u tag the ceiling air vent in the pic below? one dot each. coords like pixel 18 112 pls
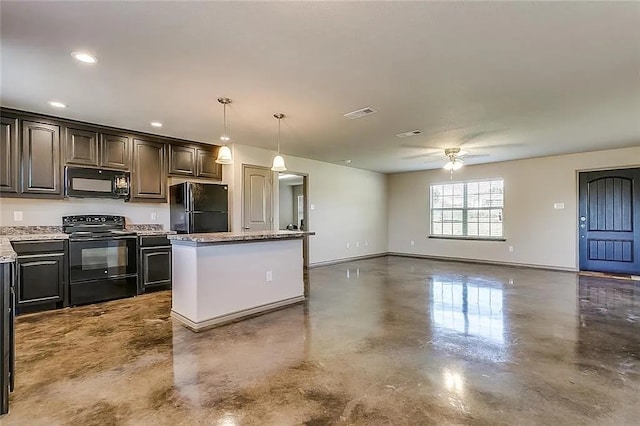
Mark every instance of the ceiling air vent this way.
pixel 409 133
pixel 360 113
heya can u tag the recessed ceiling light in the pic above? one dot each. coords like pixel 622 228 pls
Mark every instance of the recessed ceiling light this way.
pixel 84 57
pixel 156 124
pixel 57 104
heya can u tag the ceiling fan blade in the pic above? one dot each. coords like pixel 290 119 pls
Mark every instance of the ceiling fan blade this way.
pixel 436 161
pixel 412 157
pixel 473 156
pixel 489 145
pixel 433 148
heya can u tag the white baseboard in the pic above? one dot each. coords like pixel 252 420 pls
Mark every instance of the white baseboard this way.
pixel 485 262
pixel 234 316
pixel 346 259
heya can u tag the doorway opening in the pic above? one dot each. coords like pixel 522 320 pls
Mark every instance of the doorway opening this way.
pixel 293 212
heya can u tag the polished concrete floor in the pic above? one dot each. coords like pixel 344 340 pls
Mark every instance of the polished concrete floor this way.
pixel 381 341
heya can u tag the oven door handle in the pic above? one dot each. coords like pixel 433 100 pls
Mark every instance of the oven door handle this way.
pixel 128 237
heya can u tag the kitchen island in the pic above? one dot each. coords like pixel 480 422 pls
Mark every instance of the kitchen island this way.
pixel 227 276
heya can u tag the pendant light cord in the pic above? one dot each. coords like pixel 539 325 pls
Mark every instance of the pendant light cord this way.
pixel 279 119
pixel 224 120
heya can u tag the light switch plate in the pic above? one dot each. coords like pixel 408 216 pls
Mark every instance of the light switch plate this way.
pixel 558 206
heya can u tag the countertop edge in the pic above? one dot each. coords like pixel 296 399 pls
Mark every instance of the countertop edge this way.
pixel 227 237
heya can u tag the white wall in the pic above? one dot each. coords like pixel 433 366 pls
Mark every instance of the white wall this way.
pixel 350 204
pixel 539 234
pixel 50 212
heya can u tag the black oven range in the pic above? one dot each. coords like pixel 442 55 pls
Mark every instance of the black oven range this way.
pixel 102 258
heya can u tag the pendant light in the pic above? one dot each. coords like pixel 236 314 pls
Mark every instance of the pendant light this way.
pixel 278 160
pixel 224 153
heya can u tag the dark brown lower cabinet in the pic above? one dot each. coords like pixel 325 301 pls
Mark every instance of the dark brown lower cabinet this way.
pixel 154 266
pixel 41 275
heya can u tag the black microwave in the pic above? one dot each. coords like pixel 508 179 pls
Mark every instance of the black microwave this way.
pixel 96 183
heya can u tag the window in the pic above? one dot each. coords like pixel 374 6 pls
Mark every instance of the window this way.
pixel 468 209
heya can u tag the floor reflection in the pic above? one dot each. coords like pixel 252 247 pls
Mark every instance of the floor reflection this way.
pixel 609 327
pixel 468 308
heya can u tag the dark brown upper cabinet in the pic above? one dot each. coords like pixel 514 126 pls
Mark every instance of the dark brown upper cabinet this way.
pixel 9 156
pixel 81 147
pixel 182 160
pixel 149 176
pixel 41 159
pixel 206 166
pixel 114 151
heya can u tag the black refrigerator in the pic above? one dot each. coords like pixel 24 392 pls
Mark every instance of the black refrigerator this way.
pixel 199 207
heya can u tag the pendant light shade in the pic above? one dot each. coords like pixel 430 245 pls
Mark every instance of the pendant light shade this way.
pixel 278 160
pixel 224 153
pixel 278 164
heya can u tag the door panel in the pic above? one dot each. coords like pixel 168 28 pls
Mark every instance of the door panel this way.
pixel 149 178
pixel 609 222
pixel 9 155
pixel 114 151
pixel 41 158
pixel 206 166
pixel 257 198
pixel 81 147
pixel 182 160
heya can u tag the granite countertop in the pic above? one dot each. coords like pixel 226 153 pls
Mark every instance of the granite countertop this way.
pixel 38 233
pixel 7 255
pixel 224 237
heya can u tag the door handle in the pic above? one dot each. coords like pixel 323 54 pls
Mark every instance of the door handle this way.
pixel 583 218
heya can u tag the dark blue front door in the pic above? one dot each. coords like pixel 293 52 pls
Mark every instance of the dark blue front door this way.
pixel 609 221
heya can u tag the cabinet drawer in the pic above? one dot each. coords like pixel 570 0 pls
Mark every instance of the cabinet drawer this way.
pixel 154 241
pixel 38 247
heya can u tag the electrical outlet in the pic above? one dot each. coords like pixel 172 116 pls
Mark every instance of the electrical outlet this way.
pixel 413 243
pixel 269 276
pixel 357 244
pixel 511 249
pixel 313 206
pixel 366 243
pixel 348 245
pixel 17 216
pixel 154 216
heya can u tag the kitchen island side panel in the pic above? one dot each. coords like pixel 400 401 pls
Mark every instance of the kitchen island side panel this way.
pixel 233 277
pixel 184 264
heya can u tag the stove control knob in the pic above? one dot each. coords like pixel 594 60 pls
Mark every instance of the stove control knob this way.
pixel 104 220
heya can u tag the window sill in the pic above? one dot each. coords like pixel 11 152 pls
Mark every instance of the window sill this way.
pixel 460 237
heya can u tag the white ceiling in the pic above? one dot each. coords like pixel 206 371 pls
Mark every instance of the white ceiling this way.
pixel 541 78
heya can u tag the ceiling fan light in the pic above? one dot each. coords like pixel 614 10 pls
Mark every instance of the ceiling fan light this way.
pixel 224 155
pixel 278 164
pixel 453 165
